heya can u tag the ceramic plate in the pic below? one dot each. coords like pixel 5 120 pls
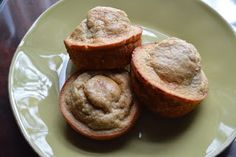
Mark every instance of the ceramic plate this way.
pixel 40 66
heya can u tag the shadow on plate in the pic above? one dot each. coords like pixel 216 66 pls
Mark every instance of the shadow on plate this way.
pixel 97 146
pixel 150 128
pixel 158 129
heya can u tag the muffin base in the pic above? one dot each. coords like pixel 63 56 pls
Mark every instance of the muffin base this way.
pixel 158 102
pixel 106 58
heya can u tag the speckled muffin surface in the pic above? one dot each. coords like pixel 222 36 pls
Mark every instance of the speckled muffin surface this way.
pixel 171 68
pixel 105 32
pixel 99 104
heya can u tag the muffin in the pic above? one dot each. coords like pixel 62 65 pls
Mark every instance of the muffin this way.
pixel 104 40
pixel 99 104
pixel 167 77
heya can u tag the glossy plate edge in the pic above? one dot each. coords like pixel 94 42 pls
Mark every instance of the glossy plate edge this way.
pixel 233 136
pixel 16 113
pixel 13 104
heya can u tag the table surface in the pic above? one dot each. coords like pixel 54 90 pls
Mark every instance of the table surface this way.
pixel 16 16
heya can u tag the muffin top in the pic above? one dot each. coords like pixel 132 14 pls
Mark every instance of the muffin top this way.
pixel 101 100
pixel 172 65
pixel 103 25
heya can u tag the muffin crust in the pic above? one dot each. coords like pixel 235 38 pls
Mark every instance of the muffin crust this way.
pixel 176 61
pixel 167 77
pixel 100 100
pixel 99 104
pixel 172 65
pixel 102 25
pixel 104 40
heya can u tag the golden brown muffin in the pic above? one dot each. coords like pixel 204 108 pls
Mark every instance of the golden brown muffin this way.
pixel 99 104
pixel 167 77
pixel 104 40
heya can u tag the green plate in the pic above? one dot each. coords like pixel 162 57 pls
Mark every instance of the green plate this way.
pixel 40 66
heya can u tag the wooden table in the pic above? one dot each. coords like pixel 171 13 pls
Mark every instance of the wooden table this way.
pixel 16 16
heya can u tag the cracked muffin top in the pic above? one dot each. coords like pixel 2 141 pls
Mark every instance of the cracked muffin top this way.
pixel 104 26
pixel 101 100
pixel 173 66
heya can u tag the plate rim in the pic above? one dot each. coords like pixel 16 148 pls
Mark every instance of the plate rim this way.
pixel 11 97
pixel 13 105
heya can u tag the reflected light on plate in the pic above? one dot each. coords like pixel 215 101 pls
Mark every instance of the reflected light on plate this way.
pixel 58 63
pixel 61 71
pixel 27 95
pixel 140 135
pixel 212 147
pixel 150 35
pixel 225 132
pixel 226 8
pixel 40 140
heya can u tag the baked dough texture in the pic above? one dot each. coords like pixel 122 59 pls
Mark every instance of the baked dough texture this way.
pixel 102 25
pixel 104 40
pixel 171 71
pixel 101 100
pixel 99 104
